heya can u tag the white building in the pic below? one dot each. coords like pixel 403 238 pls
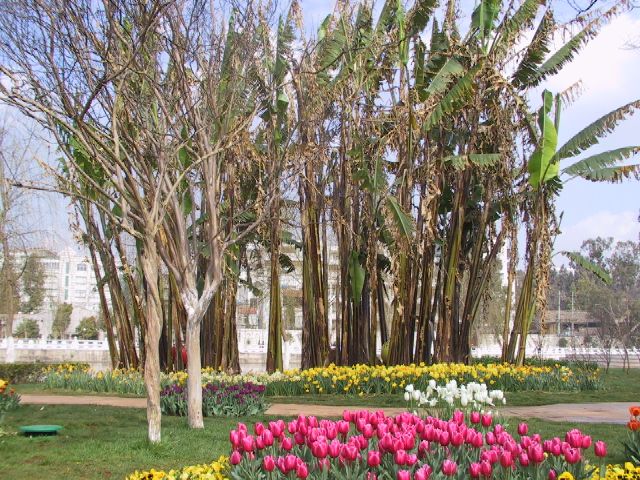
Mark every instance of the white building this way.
pixel 69 278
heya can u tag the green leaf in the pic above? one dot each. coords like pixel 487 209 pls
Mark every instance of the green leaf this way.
pixel 286 264
pixel 403 222
pixel 187 203
pixel 440 82
pixel 585 263
pixel 453 100
pixel 484 16
pixel 460 162
pixel 514 26
pixel 419 15
pixel 591 167
pixel 535 52
pixel 356 275
pixel 540 166
pixel 590 135
pixel 322 30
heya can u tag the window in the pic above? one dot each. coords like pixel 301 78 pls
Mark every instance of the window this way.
pixel 81 267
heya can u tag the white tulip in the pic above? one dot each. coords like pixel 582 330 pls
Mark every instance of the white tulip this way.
pixel 407 396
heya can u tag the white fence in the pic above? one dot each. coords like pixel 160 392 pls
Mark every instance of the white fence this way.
pixel 252 345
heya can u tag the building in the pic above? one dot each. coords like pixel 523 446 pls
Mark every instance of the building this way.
pixel 69 278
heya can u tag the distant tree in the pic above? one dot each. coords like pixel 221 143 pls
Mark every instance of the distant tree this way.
pixel 28 328
pixel 88 329
pixel 33 284
pixel 61 320
pixel 491 315
pixel 616 306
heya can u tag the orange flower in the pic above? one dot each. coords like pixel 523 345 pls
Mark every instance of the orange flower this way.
pixel 634 425
pixel 634 411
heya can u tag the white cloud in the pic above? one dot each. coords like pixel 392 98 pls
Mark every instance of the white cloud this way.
pixel 619 225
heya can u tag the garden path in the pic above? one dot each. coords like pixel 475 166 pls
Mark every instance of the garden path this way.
pixel 612 412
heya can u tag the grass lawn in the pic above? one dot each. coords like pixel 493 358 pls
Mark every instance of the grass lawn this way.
pixel 105 442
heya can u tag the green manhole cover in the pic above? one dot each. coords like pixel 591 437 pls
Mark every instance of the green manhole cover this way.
pixel 32 430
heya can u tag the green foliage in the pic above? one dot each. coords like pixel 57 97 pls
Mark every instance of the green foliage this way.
pixel 28 328
pixel 61 320
pixel 33 277
pixel 540 166
pixel 218 400
pixel 357 275
pixel 31 372
pixel 88 329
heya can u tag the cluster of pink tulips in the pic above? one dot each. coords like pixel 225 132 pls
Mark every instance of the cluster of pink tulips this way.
pixel 372 446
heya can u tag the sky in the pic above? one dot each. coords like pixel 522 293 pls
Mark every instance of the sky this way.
pixel 610 74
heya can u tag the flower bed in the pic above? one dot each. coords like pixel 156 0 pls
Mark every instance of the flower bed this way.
pixel 365 379
pixel 9 399
pixel 355 380
pixel 214 471
pixel 366 445
pixel 628 471
pixel 217 400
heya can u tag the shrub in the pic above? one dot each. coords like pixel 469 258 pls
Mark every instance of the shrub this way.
pixel 32 372
pixel 217 400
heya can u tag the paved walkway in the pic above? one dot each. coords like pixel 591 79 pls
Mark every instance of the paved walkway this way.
pixel 562 412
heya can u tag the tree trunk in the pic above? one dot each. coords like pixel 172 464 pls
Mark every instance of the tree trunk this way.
pixel 194 379
pixel 153 320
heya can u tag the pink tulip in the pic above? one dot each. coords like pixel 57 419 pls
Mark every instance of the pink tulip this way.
pixel 268 463
pixel 586 441
pixel 572 455
pixel 444 439
pixel 411 459
pixel 506 460
pixel 235 458
pixel 290 462
pixel 485 468
pixel 334 448
pixel 287 444
pixel 536 453
pixel 292 427
pixel 343 427
pixel 524 459
pixel 372 476
pixel 259 443
pixel 423 473
pixel 449 467
pixel 242 427
pixel 486 420
pixel 458 417
pixel 552 474
pixel 248 444
pixel 457 439
pixel 404 475
pixel 400 457
pixel 523 428
pixel 302 471
pixel 474 470
pixel 319 449
pixel 600 449
pixel 373 458
pixel 234 438
pixel 475 417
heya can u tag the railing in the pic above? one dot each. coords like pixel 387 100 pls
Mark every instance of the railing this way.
pixel 254 341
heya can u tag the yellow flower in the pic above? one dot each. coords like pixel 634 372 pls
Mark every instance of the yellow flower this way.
pixel 566 476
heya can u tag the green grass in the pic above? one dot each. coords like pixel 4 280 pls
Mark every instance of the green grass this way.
pixel 40 389
pixel 105 442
